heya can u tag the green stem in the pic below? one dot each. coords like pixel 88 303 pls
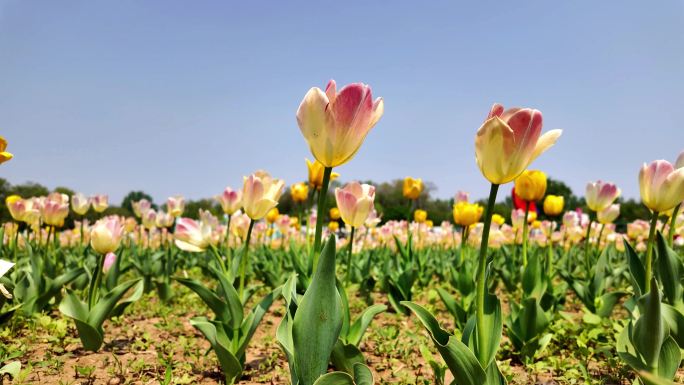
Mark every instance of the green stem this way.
pixel 598 240
pixel 322 195
pixel 481 273
pixel 673 224
pixel 228 232
pixel 587 260
pixel 95 283
pixel 243 260
pixel 349 257
pixel 649 250
pixel 219 259
pixel 524 234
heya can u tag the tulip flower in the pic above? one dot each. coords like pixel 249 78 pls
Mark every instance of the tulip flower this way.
pixel 5 266
pixel 333 226
pixel 299 192
pixel 80 204
pixel 461 196
pixel 571 219
pixel 334 214
pixel 4 155
pixel 599 195
pixel 412 188
pixel 498 219
pixel 355 202
pixel 260 194
pixel 163 220
pixel 230 200
pixel 175 206
pixel 106 234
pixel 100 202
pixel 316 170
pixel 531 185
pixel 509 141
pixel 420 216
pixel 373 219
pixel 661 185
pixel 109 261
pixel 335 124
pixel 553 205
pixel 192 235
pixel 16 206
pixel 140 207
pixel 149 219
pixel 609 214
pixel 56 209
pixel 272 215
pixel 466 214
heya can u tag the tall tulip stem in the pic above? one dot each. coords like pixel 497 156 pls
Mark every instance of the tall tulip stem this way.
pixel 243 260
pixel 673 224
pixel 481 272
pixel 587 246
pixel 349 256
pixel 649 250
pixel 322 196
pixel 524 234
pixel 95 282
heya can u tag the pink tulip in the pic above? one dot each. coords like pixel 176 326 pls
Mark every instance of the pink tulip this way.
pixel 355 202
pixel 230 200
pixel 175 206
pixel 106 234
pixel 110 258
pixel 80 204
pixel 680 161
pixel 149 219
pixel 335 124
pixel 461 196
pixel 609 214
pixel 56 209
pixel 600 195
pixel 571 219
pixel 140 207
pixel 100 202
pixel 661 185
pixel 192 235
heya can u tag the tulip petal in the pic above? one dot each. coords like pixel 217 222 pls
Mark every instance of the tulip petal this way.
pixel 545 142
pixel 187 246
pixel 490 142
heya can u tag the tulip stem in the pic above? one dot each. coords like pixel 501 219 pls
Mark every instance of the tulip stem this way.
pixel 349 257
pixel 649 250
pixel 587 246
pixel 219 259
pixel 481 275
pixel 243 259
pixel 598 240
pixel 673 224
pixel 95 282
pixel 524 234
pixel 322 195
pixel 228 232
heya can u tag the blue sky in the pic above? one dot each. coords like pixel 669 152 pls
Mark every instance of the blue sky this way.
pixel 178 99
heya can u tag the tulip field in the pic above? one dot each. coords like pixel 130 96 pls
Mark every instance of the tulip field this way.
pixel 330 292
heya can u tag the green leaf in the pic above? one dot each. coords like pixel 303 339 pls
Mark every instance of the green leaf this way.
pixel 216 304
pixel 358 328
pixel 335 378
pixel 318 320
pixel 607 303
pixel 670 269
pixel 649 329
pixel 231 298
pixel 652 379
pixel 362 375
pixel 231 367
pixel 533 281
pixel 675 322
pixel 493 323
pixel 101 311
pixel 253 319
pixel 669 359
pixel 11 368
pixel 626 350
pixel 123 304
pixel 344 356
pixel 636 268
pixel 459 358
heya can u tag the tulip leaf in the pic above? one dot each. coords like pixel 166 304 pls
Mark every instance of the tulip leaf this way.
pixel 363 375
pixel 318 320
pixel 461 361
pixel 231 298
pixel 335 378
pixel 607 303
pixel 675 322
pixel 253 319
pixel 358 328
pixel 102 310
pixel 669 359
pixel 626 350
pixel 493 323
pixel 649 330
pixel 123 304
pixel 13 368
pixel 533 281
pixel 652 379
pixel 345 355
pixel 231 367
pixel 216 304
pixel 636 268
pixel 670 269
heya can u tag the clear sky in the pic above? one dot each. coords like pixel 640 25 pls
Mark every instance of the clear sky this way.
pixel 181 97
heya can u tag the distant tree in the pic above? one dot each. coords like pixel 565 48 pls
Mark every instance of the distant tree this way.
pixel 192 208
pixel 30 189
pixel 65 190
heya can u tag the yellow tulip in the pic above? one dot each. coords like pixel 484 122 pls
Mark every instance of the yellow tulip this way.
pixel 334 213
pixel 260 193
pixel 531 185
pixel 315 170
pixel 498 219
pixel 299 192
pixel 412 187
pixel 466 214
pixel 508 141
pixel 333 226
pixel 553 205
pixel 661 185
pixel 335 124
pixel 4 155
pixel 272 215
pixel 420 216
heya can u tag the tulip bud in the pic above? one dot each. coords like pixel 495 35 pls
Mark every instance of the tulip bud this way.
pixel 466 214
pixel 661 185
pixel 333 226
pixel 260 193
pixel 412 188
pixel 100 202
pixel 230 200
pixel 355 202
pixel 509 141
pixel 600 195
pixel 461 196
pixel 272 215
pixel 420 216
pixel 334 213
pixel 531 185
pixel 336 124
pixel 105 235
pixel 109 260
pixel 299 192
pixel 553 205
pixel 175 206
pixel 80 204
